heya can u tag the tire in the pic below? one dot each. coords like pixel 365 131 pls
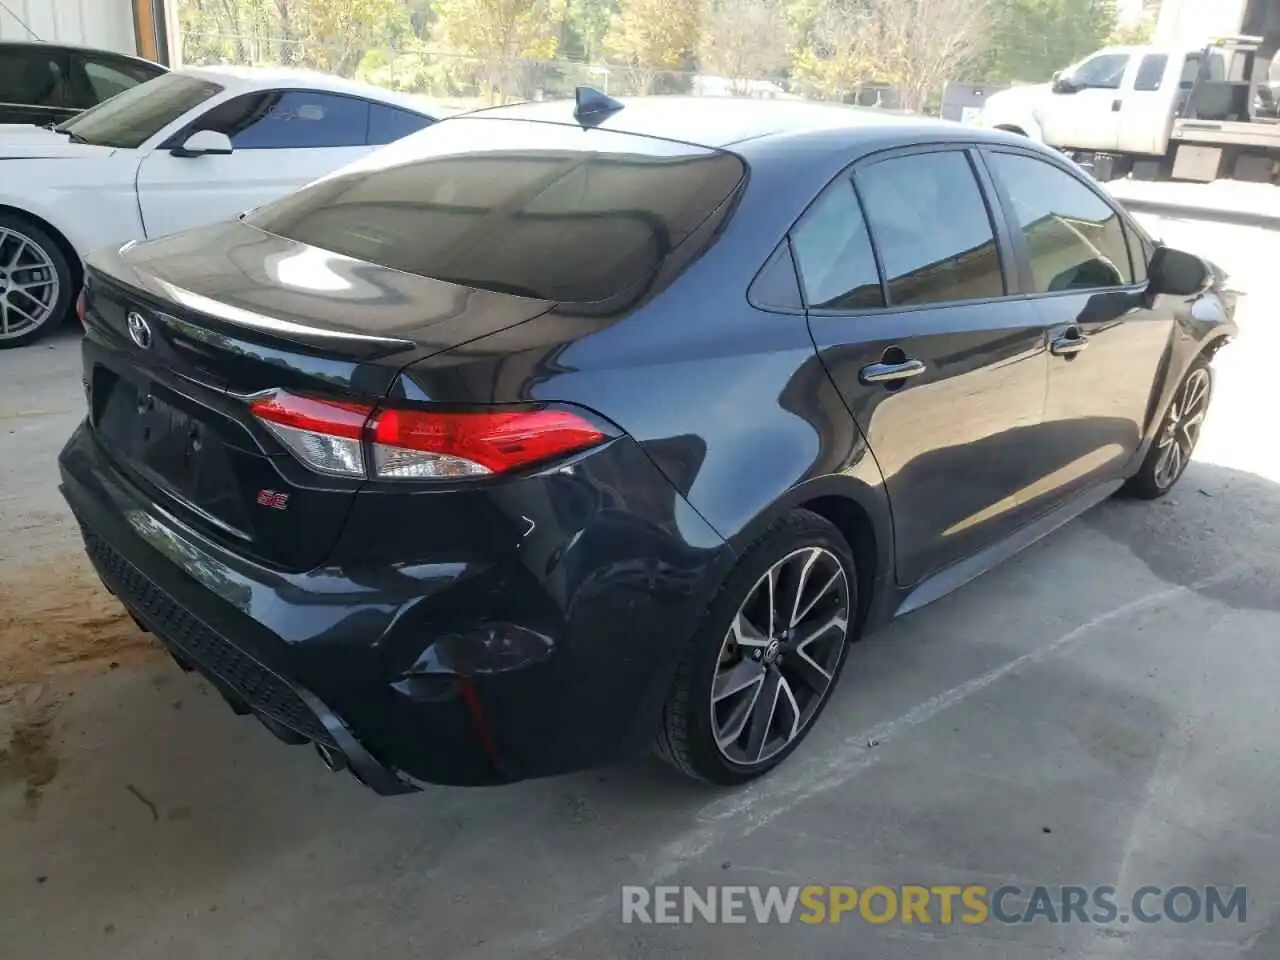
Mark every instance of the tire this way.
pixel 1155 477
pixel 798 662
pixel 37 283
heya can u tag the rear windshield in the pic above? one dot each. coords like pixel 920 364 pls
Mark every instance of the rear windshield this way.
pixel 533 209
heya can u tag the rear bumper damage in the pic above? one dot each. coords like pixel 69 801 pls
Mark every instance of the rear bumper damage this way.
pixel 374 661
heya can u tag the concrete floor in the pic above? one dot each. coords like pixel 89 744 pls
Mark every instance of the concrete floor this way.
pixel 1101 710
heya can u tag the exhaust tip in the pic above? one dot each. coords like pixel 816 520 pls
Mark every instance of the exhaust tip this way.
pixel 331 758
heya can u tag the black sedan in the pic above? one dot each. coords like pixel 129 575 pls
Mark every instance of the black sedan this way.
pixel 46 83
pixel 556 433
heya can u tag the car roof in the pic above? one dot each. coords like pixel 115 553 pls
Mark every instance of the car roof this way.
pixel 247 79
pixel 714 121
pixel 80 48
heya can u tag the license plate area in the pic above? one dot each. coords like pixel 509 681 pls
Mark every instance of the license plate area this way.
pixel 172 443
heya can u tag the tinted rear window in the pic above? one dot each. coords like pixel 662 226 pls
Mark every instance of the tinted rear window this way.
pixel 534 209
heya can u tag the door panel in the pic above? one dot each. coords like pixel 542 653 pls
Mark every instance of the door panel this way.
pixel 1089 118
pixel 953 443
pixel 176 193
pixel 952 438
pixel 1107 342
pixel 281 140
pixel 1146 114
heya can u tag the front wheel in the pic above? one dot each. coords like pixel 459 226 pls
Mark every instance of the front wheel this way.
pixel 766 656
pixel 35 282
pixel 1179 433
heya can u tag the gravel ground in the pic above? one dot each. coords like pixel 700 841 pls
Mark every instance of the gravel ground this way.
pixel 1100 710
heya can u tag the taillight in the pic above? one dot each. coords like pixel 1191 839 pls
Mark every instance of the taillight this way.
pixel 419 444
pixel 82 308
pixel 326 435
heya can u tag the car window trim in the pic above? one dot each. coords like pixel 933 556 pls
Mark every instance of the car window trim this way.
pixel 179 137
pixel 999 228
pixel 1127 224
pixel 781 251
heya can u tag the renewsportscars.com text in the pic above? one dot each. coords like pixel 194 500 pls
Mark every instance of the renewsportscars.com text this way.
pixel 935 904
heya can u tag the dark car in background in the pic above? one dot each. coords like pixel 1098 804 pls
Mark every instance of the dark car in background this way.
pixel 549 435
pixel 44 83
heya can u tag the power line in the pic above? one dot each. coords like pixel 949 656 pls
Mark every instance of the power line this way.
pixel 22 23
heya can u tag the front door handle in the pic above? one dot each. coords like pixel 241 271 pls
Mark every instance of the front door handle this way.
pixel 1115 106
pixel 891 372
pixel 1068 346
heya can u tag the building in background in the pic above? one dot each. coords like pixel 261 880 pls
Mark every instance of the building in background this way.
pixel 137 27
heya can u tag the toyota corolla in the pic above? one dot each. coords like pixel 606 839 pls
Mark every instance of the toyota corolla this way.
pixel 559 432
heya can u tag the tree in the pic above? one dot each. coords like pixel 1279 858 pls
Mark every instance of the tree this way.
pixel 499 33
pixel 926 43
pixel 916 46
pixel 1033 38
pixel 743 40
pixel 330 35
pixel 587 23
pixel 836 49
pixel 653 35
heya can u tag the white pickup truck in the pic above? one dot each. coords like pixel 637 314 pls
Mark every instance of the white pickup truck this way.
pixel 1198 114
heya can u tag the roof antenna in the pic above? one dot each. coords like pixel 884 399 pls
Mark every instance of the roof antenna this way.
pixel 593 106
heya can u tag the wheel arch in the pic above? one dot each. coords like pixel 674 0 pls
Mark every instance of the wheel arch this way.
pixel 65 247
pixel 860 512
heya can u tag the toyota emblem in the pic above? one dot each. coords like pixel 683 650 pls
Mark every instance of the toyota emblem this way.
pixel 139 331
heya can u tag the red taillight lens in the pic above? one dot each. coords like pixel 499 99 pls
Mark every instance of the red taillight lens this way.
pixel 326 435
pixel 82 308
pixel 416 444
pixel 419 444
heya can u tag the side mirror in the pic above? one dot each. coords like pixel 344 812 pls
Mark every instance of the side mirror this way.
pixel 1177 273
pixel 204 143
pixel 1062 83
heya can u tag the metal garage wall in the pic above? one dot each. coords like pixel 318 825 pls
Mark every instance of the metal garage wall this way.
pixel 96 23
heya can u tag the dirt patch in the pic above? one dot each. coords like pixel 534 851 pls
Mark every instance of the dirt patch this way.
pixel 55 617
pixel 56 621
pixel 29 758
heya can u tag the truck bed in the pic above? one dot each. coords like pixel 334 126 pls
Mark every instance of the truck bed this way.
pixel 1258 133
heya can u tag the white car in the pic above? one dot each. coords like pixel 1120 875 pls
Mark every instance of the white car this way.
pixel 185 149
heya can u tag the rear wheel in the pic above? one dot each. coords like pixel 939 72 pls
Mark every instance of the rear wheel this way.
pixel 1179 433
pixel 35 282
pixel 766 657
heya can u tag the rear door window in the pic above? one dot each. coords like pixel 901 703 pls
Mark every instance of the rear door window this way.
pixel 534 209
pixel 1151 71
pixel 833 253
pixel 931 225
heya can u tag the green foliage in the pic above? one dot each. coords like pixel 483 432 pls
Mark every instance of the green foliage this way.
pixel 329 35
pixel 1133 34
pixel 1033 38
pixel 504 48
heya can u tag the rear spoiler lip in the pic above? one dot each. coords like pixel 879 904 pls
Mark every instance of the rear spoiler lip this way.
pixel 267 324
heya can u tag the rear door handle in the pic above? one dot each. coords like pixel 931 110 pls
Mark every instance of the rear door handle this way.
pixel 891 372
pixel 1068 346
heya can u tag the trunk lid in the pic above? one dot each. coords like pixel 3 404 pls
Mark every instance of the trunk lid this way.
pixel 183 330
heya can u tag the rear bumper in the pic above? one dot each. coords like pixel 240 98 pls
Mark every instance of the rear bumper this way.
pixel 336 655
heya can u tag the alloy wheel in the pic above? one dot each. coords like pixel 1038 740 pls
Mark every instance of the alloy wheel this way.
pixel 1181 430
pixel 28 284
pixel 779 658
